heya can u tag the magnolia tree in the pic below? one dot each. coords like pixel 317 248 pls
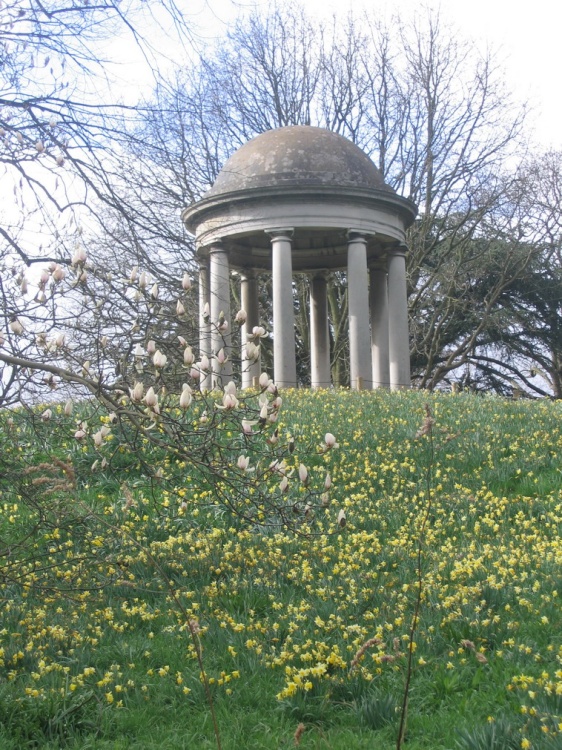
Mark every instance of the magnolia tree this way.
pixel 141 418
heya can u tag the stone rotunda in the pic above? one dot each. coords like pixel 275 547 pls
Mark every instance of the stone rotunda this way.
pixel 302 199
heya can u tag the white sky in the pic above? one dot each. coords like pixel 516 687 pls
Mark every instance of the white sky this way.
pixel 526 35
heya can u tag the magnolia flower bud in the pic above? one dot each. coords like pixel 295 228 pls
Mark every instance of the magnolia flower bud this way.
pixel 68 408
pixel 80 434
pixel 98 439
pixel 151 347
pixel 23 285
pixel 137 392
pixel 186 282
pixel 139 351
pixel 59 340
pixel 206 312
pixel 327 482
pixel 58 273
pixel 159 360
pixel 303 474
pixel 252 352
pixel 86 368
pixel 263 413
pixel 40 146
pixel 284 484
pixel 79 257
pixel 47 414
pixel 264 380
pixel 243 462
pixel 154 291
pixel 205 364
pixel 241 317
pixel 229 401
pixel 186 398
pixel 342 520
pixel 230 387
pixel 60 160
pixel 151 399
pixel 188 356
pixel 133 276
pixel 330 440
pixel 44 277
pixel 182 341
pixel 276 403
pixel 16 327
pixel 247 426
pixel 195 372
pixel 143 281
pixel 180 309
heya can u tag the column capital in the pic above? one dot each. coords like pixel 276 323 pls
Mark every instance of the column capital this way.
pixel 358 234
pixel 401 249
pixel 216 246
pixel 279 233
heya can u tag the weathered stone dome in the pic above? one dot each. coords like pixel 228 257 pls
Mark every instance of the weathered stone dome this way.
pixel 297 156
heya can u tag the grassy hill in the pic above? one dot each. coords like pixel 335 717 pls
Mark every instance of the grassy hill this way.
pixel 101 572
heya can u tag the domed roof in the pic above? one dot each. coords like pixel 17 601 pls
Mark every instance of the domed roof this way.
pixel 301 156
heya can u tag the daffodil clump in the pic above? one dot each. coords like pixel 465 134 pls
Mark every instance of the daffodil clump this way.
pixel 316 613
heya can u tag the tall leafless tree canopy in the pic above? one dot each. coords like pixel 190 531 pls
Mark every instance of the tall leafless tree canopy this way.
pixel 432 112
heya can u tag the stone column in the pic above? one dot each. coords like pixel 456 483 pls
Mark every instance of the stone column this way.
pixel 399 342
pixel 358 304
pixel 320 376
pixel 250 304
pixel 219 283
pixel 378 295
pixel 284 357
pixel 204 321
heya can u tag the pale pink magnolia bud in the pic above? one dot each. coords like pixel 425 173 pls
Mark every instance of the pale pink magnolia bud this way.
pixel 58 273
pixel 277 403
pixel 47 414
pixel 206 312
pixel 180 309
pixel 303 474
pixel 230 387
pixel 186 397
pixel 252 352
pixel 151 347
pixel 263 413
pixel 59 340
pixel 16 327
pixel 229 401
pixel 241 317
pixel 68 408
pixel 41 298
pixel 182 341
pixel 44 277
pixel 98 439
pixel 103 342
pixel 40 146
pixel 80 434
pixel 143 280
pixel 205 364
pixel 19 136
pixel 330 440
pixel 159 360
pixel 23 285
pixel 284 484
pixel 327 482
pixel 188 356
pixel 247 426
pixel 259 332
pixel 79 257
pixel 222 325
pixel 60 160
pixel 83 278
pixel 342 520
pixel 243 462
pixel 264 380
pixel 221 356
pixel 134 273
pixel 86 368
pixel 137 392
pixel 186 282
pixel 195 372
pixel 154 291
pixel 151 399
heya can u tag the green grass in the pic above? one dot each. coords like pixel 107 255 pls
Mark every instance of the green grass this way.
pixel 96 654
